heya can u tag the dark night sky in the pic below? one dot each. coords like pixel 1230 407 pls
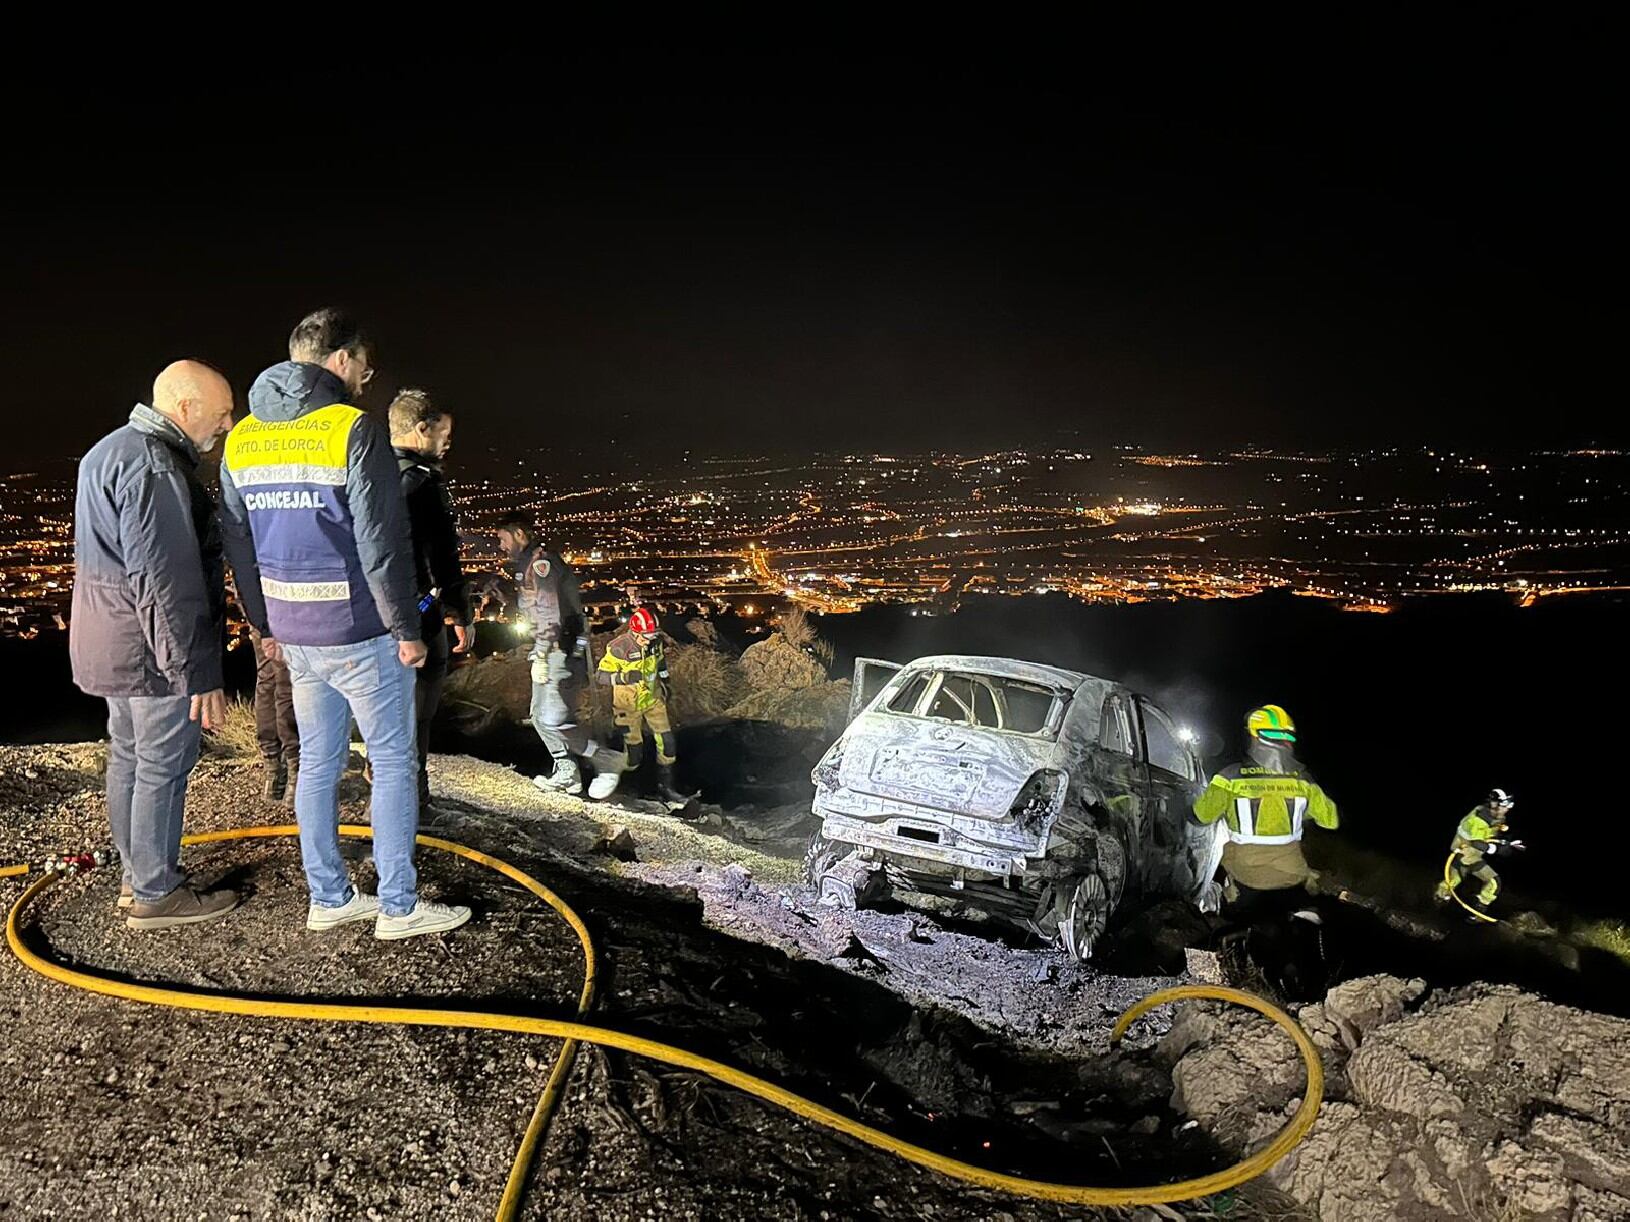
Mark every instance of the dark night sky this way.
pixel 1354 252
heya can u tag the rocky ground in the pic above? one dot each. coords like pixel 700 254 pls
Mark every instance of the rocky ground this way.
pixel 1481 1102
pixel 945 1037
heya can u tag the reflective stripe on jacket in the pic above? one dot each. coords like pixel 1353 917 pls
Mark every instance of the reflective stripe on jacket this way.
pixel 625 654
pixel 312 512
pixel 1473 834
pixel 1265 805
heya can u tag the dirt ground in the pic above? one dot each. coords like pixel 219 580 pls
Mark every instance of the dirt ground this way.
pixel 941 1034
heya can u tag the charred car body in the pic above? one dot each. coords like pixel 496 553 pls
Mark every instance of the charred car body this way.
pixel 1040 795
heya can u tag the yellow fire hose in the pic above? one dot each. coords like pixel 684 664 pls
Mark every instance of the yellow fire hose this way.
pixel 575 1033
pixel 1449 882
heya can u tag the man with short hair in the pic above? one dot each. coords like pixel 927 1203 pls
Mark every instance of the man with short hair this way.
pixel 148 628
pixel 318 537
pixel 421 436
pixel 550 604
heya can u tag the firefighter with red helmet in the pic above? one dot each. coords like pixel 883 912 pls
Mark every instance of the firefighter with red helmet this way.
pixel 636 669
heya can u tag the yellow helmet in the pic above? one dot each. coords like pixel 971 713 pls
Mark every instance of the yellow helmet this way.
pixel 1271 723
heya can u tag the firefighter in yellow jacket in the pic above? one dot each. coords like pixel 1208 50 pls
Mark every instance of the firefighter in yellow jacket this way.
pixel 1478 837
pixel 1264 803
pixel 636 670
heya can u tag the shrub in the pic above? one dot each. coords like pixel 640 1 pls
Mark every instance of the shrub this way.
pixel 235 738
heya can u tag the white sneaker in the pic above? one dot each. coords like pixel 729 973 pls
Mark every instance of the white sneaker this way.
pixel 604 785
pixel 359 907
pixel 427 917
pixel 566 779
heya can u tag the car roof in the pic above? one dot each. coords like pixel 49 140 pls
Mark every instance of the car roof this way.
pixel 1006 668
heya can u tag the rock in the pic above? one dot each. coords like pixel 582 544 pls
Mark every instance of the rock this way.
pixel 1592 1206
pixel 777 665
pixel 1591 1153
pixel 1482 1102
pixel 1386 1077
pixel 858 951
pixel 1334 1171
pixel 1202 966
pixel 1254 1066
pixel 1359 1006
pixel 618 843
pixel 483 696
pixel 1532 1184
pixel 704 633
pixel 736 878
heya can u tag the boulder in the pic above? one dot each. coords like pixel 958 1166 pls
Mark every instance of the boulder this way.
pixel 778 665
pixel 1474 1103
pixel 480 697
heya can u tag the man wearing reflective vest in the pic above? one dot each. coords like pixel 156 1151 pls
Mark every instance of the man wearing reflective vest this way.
pixel 1264 804
pixel 317 532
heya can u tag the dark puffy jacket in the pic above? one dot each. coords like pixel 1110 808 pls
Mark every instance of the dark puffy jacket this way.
pixel 149 609
pixel 313 515
pixel 435 542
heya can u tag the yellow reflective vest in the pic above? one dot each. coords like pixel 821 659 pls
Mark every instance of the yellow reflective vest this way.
pixel 1265 805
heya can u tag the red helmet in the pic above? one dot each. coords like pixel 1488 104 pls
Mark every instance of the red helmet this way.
pixel 643 622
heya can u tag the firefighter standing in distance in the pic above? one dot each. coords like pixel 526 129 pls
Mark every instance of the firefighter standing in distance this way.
pixel 1477 838
pixel 636 670
pixel 548 601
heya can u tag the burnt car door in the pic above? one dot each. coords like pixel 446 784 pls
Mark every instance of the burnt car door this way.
pixel 1123 780
pixel 871 676
pixel 1174 784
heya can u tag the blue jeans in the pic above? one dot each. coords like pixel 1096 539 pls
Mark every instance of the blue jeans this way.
pixel 333 684
pixel 152 746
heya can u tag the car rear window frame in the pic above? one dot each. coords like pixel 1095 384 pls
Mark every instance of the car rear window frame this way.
pixel 1049 731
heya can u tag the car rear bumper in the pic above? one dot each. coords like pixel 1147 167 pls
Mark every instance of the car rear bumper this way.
pixel 906 837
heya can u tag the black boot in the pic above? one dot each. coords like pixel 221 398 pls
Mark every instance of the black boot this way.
pixel 666 790
pixel 294 777
pixel 276 782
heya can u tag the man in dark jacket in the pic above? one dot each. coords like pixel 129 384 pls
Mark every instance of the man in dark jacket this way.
pixel 311 509
pixel 551 610
pixel 421 436
pixel 149 621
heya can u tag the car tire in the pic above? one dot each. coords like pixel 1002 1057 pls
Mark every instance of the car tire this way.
pixel 1084 918
pixel 821 855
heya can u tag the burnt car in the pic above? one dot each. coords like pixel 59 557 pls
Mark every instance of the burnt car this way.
pixel 1041 796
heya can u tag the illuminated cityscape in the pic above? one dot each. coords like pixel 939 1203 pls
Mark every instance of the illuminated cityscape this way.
pixel 837 533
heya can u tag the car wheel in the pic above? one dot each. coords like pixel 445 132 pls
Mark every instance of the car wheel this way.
pixel 1085 916
pixel 819 857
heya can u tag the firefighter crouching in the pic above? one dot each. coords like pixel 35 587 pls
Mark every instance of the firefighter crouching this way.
pixel 636 669
pixel 1264 804
pixel 1477 838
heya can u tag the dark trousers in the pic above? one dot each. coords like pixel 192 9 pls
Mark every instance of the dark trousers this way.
pixel 275 729
pixel 427 693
